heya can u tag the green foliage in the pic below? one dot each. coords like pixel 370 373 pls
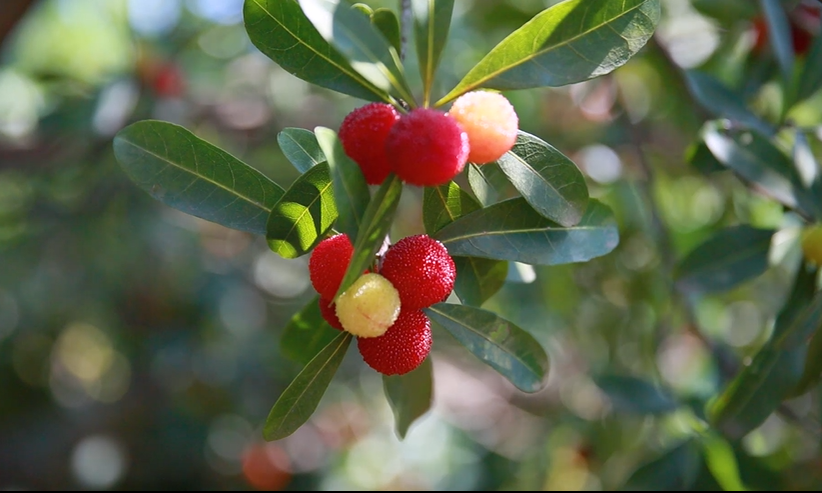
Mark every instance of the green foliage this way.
pixel 675 470
pixel 306 334
pixel 350 189
pixel 410 395
pixel 432 20
pixel 636 396
pixel 301 148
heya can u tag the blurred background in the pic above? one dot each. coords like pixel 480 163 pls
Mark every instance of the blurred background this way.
pixel 140 347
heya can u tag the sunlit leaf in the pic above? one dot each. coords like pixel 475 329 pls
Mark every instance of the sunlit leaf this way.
pixel 636 396
pixel 721 461
pixel 410 395
pixel 432 20
pixel 443 204
pixel 306 334
pixel 300 147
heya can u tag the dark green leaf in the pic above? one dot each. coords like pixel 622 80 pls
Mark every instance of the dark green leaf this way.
pixel 280 30
pixel 306 334
pixel 300 147
pixel 379 216
pixel 730 257
pixel 813 366
pixel 811 79
pixel 478 278
pixel 300 399
pixel 487 182
pixel 547 180
pixel 350 189
pixel 779 34
pixel 385 20
pixel 572 41
pixel 700 157
pixel 512 230
pixel 187 173
pixel 410 395
pixel 721 461
pixel 508 349
pixel 303 215
pixel 443 204
pixel 676 470
pixel 432 20
pixel 367 50
pixel 715 97
pixel 727 10
pixel 636 396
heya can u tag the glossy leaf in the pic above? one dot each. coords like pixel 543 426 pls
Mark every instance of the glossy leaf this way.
pixel 779 34
pixel 301 148
pixel 350 189
pixel 303 215
pixel 306 334
pixel 280 30
pixel 700 157
pixel 300 399
pixel 546 179
pixel 572 41
pixel 185 172
pixel 385 20
pixel 432 20
pixel 377 221
pixel 512 230
pixel 478 279
pixel 730 257
pixel 410 395
pixel 721 461
pixel 676 470
pixel 636 396
pixel 362 44
pixel 506 348
pixel 443 204
pixel 720 100
pixel 487 182
pixel 811 79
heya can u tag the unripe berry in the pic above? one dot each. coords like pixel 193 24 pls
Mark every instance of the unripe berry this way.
pixel 421 270
pixel 328 264
pixel 812 244
pixel 369 307
pixel 427 147
pixel 490 122
pixel 363 133
pixel 329 313
pixel 402 348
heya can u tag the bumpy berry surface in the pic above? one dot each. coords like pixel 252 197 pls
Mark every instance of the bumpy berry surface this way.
pixel 328 264
pixel 329 313
pixel 421 270
pixel 369 307
pixel 363 133
pixel 402 348
pixel 427 147
pixel 490 122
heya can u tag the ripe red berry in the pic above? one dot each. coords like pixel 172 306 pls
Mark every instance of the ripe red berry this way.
pixel 363 133
pixel 490 122
pixel 328 264
pixel 403 347
pixel 427 147
pixel 329 313
pixel 421 270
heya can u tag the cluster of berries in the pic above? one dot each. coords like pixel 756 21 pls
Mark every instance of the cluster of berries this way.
pixel 427 147
pixel 384 309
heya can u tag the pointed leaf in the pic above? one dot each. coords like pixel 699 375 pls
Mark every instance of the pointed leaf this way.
pixel 572 41
pixel 306 334
pixel 187 173
pixel 280 30
pixel 443 204
pixel 410 395
pixel 512 230
pixel 813 366
pixel 379 216
pixel 636 396
pixel 548 180
pixel 779 34
pixel 478 279
pixel 432 20
pixel 506 348
pixel 385 20
pixel 721 461
pixel 487 182
pixel 350 189
pixel 300 399
pixel 362 44
pixel 720 100
pixel 811 79
pixel 730 257
pixel 301 148
pixel 676 470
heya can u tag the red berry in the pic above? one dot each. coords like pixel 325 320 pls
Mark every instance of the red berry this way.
pixel 403 347
pixel 363 134
pixel 427 147
pixel 490 122
pixel 169 81
pixel 328 264
pixel 329 313
pixel 421 270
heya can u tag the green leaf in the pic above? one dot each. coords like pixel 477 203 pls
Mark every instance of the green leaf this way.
pixel 410 395
pixel 478 278
pixel 676 470
pixel 367 50
pixel 700 157
pixel 776 369
pixel 187 173
pixel 487 182
pixel 506 348
pixel 443 204
pixel 280 30
pixel 306 333
pixel 636 396
pixel 432 20
pixel 301 148
pixel 727 11
pixel 572 41
pixel 385 20
pixel 350 189
pixel 303 215
pixel 379 216
pixel 717 98
pixel 512 230
pixel 547 180
pixel 813 366
pixel 300 399
pixel 779 34
pixel 811 79
pixel 730 257
pixel 721 461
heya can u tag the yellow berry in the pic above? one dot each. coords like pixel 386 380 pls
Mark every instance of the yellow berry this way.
pixel 490 122
pixel 369 307
pixel 812 244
